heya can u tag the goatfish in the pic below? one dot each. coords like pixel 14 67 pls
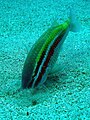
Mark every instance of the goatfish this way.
pixel 44 53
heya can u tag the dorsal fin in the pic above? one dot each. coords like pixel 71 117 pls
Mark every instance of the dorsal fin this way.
pixel 54 24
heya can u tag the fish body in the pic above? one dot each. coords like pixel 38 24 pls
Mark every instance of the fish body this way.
pixel 43 55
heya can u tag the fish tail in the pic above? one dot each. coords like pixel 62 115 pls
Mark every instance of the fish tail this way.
pixel 74 25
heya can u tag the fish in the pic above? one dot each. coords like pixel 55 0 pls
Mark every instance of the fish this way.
pixel 44 53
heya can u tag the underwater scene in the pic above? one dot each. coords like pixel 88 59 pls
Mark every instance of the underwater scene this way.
pixel 44 59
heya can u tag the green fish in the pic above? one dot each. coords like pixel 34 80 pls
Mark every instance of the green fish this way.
pixel 44 53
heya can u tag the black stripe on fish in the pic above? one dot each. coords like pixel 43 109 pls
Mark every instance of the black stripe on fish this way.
pixel 50 53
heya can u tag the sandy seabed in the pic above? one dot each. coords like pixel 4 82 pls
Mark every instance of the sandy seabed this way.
pixel 68 93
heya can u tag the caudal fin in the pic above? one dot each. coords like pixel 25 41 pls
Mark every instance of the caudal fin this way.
pixel 75 25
